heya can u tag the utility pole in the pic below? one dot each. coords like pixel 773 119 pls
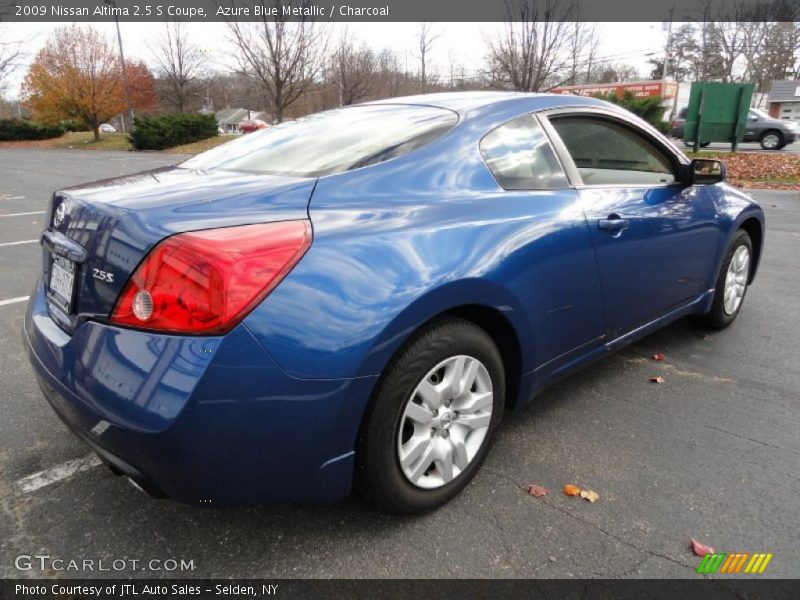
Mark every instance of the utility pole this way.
pixel 665 70
pixel 666 48
pixel 124 68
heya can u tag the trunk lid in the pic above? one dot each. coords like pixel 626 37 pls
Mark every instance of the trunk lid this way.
pixel 106 228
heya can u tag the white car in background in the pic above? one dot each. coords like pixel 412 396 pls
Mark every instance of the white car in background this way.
pixel 108 128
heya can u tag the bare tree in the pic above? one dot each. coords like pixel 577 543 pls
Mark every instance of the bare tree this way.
pixel 777 57
pixel 11 56
pixel 582 49
pixel 535 50
pixel 179 64
pixel 391 77
pixel 425 40
pixel 754 42
pixel 354 71
pixel 282 57
pixel 612 72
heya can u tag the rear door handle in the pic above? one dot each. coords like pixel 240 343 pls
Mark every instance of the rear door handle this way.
pixel 612 223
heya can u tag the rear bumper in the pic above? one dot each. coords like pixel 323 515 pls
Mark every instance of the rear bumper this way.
pixel 209 421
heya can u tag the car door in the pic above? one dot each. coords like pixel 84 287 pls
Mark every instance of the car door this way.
pixel 553 271
pixel 655 239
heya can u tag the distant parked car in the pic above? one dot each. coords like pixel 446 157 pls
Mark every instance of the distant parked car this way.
pixel 772 134
pixel 678 126
pixel 251 125
pixel 108 128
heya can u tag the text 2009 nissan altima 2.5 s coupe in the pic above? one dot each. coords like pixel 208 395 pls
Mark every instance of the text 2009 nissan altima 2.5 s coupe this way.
pixel 354 298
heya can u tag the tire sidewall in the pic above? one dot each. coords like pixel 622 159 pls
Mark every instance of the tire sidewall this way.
pixel 718 315
pixel 772 132
pixel 379 442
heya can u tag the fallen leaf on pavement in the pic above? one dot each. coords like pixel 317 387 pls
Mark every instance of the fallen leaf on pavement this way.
pixel 701 549
pixel 572 490
pixel 657 379
pixel 659 356
pixel 537 490
pixel 590 495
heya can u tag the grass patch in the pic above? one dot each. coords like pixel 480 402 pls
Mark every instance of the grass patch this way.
pixel 76 139
pixel 202 145
pixel 85 140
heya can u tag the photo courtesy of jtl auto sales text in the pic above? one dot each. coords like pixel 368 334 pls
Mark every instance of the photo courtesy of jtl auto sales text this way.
pixel 379 298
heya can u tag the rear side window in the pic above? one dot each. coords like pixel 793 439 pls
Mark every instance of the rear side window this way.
pixel 609 154
pixel 331 142
pixel 520 156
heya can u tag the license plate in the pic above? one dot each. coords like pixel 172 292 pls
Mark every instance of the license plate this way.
pixel 62 282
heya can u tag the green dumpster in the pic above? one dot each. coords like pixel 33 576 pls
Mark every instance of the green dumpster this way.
pixel 717 112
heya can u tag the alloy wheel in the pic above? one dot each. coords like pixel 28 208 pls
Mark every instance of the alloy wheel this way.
pixel 771 141
pixel 445 422
pixel 736 280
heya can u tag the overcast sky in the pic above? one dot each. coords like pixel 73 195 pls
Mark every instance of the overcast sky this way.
pixel 629 43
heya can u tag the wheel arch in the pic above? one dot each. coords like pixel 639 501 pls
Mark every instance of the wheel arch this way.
pixel 494 323
pixel 489 306
pixel 755 230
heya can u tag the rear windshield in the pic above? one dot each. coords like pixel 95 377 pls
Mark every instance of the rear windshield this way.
pixel 330 142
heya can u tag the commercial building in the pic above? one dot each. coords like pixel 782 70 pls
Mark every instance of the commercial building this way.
pixel 640 89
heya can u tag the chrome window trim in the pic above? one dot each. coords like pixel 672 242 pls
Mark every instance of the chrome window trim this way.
pixel 633 124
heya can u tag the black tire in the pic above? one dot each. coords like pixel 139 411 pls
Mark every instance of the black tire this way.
pixel 765 137
pixel 717 317
pixel 378 472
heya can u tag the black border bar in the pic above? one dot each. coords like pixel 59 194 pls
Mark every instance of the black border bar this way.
pixel 463 589
pixel 396 10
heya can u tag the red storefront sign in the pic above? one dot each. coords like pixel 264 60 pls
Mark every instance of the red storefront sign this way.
pixel 640 89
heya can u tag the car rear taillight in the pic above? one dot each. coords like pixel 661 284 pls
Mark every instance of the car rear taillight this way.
pixel 205 282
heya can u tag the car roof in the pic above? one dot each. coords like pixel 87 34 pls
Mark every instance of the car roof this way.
pixel 463 102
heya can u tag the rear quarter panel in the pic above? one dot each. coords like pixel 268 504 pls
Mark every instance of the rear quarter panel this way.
pixel 400 242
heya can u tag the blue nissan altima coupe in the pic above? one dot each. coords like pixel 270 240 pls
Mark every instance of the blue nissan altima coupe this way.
pixel 352 299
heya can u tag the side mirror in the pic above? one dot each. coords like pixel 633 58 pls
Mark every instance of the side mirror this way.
pixel 706 171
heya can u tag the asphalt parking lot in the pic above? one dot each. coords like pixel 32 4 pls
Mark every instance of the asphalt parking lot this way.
pixel 713 453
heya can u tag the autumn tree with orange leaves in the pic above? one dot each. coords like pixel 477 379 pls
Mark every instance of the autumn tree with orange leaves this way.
pixel 75 76
pixel 143 86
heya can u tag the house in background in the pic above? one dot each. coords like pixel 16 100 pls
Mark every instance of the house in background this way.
pixel 784 100
pixel 228 119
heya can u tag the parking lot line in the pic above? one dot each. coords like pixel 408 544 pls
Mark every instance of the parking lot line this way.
pixel 18 243
pixel 14 300
pixel 25 214
pixel 31 483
